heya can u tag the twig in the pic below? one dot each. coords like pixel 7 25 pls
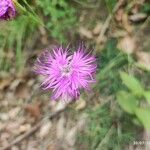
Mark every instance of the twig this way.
pixel 107 21
pixel 34 129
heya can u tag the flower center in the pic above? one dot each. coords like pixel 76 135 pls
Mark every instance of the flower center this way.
pixel 66 70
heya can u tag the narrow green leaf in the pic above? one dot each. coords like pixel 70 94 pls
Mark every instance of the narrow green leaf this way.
pixel 127 101
pixel 147 96
pixel 143 115
pixel 110 4
pixel 132 83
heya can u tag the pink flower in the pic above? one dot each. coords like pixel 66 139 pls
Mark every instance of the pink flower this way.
pixel 66 74
pixel 7 10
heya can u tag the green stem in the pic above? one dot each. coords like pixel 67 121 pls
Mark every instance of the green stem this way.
pixel 19 7
pixel 35 16
pixel 31 14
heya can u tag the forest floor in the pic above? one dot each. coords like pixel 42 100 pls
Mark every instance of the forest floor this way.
pixel 30 120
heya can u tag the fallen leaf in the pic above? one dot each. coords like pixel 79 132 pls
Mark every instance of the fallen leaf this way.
pixel 71 136
pixel 4 116
pixel 32 145
pixel 14 112
pixel 144 58
pixel 14 84
pixel 61 105
pixel 127 44
pixel 34 110
pixel 82 122
pixel 60 129
pixel 2 126
pixel 126 24
pixel 80 104
pixel 45 128
pixel 85 32
pixel 22 91
pixel 138 17
pixel 119 33
pixel 14 148
pixel 55 145
pixel 97 29
pixel 5 82
pixel 119 14
pixel 24 128
pixel 12 127
pixel 4 135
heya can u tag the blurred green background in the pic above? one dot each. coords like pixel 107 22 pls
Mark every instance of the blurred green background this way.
pixel 118 33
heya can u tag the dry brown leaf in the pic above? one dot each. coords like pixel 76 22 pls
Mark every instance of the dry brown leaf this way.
pixel 85 32
pixel 32 145
pixel 82 122
pixel 5 135
pixel 71 136
pixel 12 127
pixel 5 82
pixel 2 126
pixel 61 105
pixel 55 145
pixel 60 128
pixel 14 84
pixel 119 33
pixel 97 29
pixel 22 91
pixel 45 128
pixel 14 148
pixel 138 17
pixel 34 110
pixel 127 44
pixel 80 104
pixel 136 6
pixel 144 58
pixel 4 116
pixel 1 96
pixel 24 128
pixel 119 14
pixel 126 24
pixel 31 82
pixel 44 38
pixel 14 112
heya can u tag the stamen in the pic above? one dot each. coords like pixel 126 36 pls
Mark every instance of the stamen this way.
pixel 66 70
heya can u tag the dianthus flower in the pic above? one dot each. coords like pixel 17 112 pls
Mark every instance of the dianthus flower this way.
pixel 66 73
pixel 7 10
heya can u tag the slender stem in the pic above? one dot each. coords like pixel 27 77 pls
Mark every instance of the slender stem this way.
pixel 31 9
pixel 20 7
pixel 30 14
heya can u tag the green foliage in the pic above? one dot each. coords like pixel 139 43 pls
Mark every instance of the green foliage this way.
pixel 60 17
pixel 111 60
pixel 147 96
pixel 102 134
pixel 132 83
pixel 15 36
pixel 146 8
pixel 143 115
pixel 110 4
pixel 127 101
pixel 132 102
